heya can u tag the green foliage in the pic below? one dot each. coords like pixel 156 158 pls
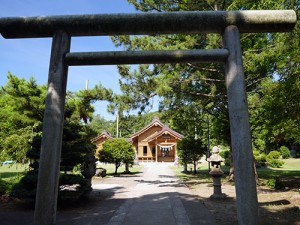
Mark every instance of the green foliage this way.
pixel 84 98
pixel 273 155
pixel 279 93
pixel 98 124
pixel 275 183
pixel 275 163
pixel 21 130
pixel 21 115
pixel 179 86
pixel 190 150
pixel 117 151
pixel 260 158
pixel 255 154
pixel 9 176
pixel 226 156
pixel 71 187
pixel 285 152
pixel 26 188
pixel 4 187
pixel 273 159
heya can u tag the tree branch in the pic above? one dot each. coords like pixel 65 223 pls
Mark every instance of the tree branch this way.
pixel 204 69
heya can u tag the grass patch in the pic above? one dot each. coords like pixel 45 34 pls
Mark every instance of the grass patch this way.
pixel 10 175
pixel 110 169
pixel 202 175
pixel 291 167
pixel 290 164
pixel 11 171
pixel 288 174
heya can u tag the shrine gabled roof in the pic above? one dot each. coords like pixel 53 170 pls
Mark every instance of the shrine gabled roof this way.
pixel 155 122
pixel 166 130
pixel 104 134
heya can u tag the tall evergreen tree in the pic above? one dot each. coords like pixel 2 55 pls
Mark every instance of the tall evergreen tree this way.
pixel 21 111
pixel 180 85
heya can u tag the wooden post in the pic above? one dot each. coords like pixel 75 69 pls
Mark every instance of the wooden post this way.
pixel 245 184
pixel 156 152
pixel 175 152
pixel 49 164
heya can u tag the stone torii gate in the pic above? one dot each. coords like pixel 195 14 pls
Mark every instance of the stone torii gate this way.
pixel 229 24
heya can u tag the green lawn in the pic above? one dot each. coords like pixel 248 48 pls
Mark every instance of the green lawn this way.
pixel 110 169
pixel 289 173
pixel 291 164
pixel 10 175
pixel 202 173
pixel 291 167
pixel 10 171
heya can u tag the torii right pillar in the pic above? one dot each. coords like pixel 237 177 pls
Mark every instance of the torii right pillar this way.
pixel 245 183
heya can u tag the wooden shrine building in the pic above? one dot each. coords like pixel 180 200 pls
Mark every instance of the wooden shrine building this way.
pixel 100 139
pixel 156 142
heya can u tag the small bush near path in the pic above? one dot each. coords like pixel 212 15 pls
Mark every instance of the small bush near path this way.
pixel 285 152
pixel 275 183
pixel 273 159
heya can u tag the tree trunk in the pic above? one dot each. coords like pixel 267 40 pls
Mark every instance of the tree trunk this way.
pixel 185 168
pixel 195 167
pixel 117 166
pixel 126 168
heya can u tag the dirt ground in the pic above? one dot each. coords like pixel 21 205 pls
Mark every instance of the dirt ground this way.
pixel 275 207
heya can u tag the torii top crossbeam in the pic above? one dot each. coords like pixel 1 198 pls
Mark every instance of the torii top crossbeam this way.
pixel 249 21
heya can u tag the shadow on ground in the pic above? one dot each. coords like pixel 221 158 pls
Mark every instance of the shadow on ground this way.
pixel 102 206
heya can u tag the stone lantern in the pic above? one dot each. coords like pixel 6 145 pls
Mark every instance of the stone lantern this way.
pixel 89 170
pixel 216 172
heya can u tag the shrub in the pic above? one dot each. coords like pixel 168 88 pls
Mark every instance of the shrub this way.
pixel 25 190
pixel 285 152
pixel 275 163
pixel 256 154
pixel 263 159
pixel 260 159
pixel 71 188
pixel 273 159
pixel 4 187
pixel 275 183
pixel 226 156
pixel 273 155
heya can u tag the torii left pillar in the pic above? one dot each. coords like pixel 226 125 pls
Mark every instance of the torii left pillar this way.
pixel 49 165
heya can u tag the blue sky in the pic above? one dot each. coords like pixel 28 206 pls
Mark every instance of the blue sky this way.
pixel 30 57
